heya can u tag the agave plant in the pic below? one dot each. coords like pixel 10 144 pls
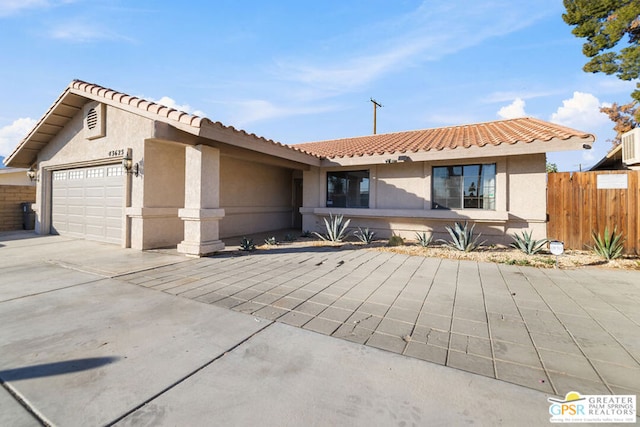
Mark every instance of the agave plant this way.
pixel 609 246
pixel 423 240
pixel 247 245
pixel 462 238
pixel 271 241
pixel 336 228
pixel 365 236
pixel 527 244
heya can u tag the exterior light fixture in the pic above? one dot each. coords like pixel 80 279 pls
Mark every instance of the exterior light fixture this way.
pixel 129 166
pixel 32 174
pixel 127 162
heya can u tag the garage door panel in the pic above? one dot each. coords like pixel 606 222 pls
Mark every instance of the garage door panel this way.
pixel 94 211
pixel 114 212
pixel 88 203
pixel 75 193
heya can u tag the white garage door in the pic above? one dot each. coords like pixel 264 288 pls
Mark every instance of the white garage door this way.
pixel 88 203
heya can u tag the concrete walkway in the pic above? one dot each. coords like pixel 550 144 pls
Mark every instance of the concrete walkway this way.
pixel 88 339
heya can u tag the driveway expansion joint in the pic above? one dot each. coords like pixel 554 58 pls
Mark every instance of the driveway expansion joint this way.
pixel 191 374
pixel 25 404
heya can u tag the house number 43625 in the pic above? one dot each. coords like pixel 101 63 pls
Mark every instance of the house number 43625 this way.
pixel 116 153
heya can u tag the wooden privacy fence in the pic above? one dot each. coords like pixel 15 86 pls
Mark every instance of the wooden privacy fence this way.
pixel 579 203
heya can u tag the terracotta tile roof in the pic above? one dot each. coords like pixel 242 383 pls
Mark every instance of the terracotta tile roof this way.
pixel 143 104
pixel 512 131
pixel 75 96
pixel 171 113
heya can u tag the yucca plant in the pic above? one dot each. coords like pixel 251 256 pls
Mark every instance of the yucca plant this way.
pixel 609 246
pixel 527 244
pixel 336 228
pixel 247 245
pixel 423 240
pixel 462 238
pixel 365 236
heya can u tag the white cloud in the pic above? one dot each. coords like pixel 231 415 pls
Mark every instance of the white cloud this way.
pixel 513 110
pixel 588 156
pixel 11 7
pixel 615 85
pixel 509 95
pixel 582 112
pixel 80 32
pixel 432 31
pixel 171 103
pixel 257 109
pixel 11 135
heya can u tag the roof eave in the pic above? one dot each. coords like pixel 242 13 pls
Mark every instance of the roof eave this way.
pixel 12 159
pixel 521 148
pixel 239 138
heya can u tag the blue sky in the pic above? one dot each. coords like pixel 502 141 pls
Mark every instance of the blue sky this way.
pixel 298 71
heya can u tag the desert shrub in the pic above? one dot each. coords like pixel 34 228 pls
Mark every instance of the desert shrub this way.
pixel 395 240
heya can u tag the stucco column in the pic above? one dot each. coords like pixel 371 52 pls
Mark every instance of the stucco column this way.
pixel 201 211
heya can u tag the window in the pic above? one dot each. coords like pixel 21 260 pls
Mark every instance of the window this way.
pixel 348 189
pixel 464 187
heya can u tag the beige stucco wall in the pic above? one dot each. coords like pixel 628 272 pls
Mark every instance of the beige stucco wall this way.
pixel 527 194
pixel 400 185
pixel 255 197
pixel 400 200
pixel 159 193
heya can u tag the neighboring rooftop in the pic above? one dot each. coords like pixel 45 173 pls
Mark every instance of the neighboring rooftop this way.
pixel 512 131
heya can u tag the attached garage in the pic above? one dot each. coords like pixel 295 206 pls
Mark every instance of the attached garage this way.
pixel 118 169
pixel 89 203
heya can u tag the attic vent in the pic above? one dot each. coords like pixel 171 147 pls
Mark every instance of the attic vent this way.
pixel 94 120
pixel 631 147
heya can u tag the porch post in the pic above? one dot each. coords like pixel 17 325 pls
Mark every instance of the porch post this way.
pixel 201 211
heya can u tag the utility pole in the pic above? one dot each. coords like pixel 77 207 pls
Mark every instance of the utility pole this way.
pixel 376 104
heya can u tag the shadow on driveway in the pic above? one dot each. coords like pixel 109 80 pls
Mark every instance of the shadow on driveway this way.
pixel 56 368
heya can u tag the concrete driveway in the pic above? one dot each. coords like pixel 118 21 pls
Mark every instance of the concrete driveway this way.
pixel 545 329
pixel 96 335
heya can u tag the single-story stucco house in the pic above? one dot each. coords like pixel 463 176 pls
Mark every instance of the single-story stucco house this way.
pixel 116 168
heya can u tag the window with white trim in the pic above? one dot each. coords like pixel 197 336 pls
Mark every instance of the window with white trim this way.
pixel 464 187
